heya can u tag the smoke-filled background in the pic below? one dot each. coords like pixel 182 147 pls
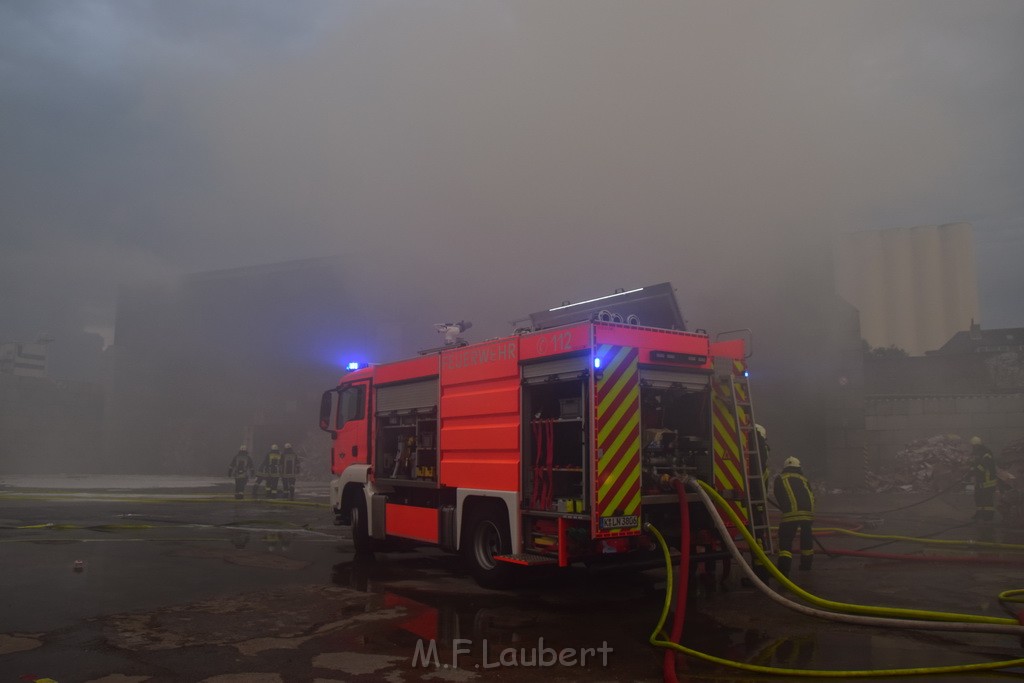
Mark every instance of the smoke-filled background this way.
pixel 483 160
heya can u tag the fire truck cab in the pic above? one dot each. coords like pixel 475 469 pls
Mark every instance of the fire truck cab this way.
pixel 553 445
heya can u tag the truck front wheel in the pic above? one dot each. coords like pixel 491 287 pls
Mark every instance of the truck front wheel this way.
pixel 486 536
pixel 357 523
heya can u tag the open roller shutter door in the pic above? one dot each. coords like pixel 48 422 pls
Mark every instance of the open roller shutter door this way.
pixel 566 368
pixel 666 378
pixel 407 396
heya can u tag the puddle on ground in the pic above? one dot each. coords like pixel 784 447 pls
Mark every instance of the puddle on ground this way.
pixel 577 609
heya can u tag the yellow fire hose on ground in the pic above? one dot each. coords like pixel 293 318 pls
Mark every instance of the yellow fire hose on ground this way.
pixel 850 613
pixel 988 545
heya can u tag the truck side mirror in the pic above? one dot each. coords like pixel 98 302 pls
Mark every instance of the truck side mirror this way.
pixel 326 409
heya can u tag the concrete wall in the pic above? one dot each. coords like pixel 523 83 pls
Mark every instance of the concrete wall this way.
pixel 945 375
pixel 843 396
pixel 845 454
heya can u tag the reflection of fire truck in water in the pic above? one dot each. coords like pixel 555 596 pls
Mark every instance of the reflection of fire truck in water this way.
pixel 551 446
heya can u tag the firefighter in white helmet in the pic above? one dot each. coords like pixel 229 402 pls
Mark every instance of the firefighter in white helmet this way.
pixel 796 501
pixel 241 469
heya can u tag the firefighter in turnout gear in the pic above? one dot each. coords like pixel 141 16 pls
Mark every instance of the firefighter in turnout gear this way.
pixel 796 501
pixel 984 471
pixel 241 469
pixel 289 470
pixel 270 470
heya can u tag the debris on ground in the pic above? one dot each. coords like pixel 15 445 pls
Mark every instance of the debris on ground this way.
pixel 924 466
pixel 1011 459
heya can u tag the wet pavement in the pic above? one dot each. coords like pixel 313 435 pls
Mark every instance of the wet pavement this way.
pixel 177 581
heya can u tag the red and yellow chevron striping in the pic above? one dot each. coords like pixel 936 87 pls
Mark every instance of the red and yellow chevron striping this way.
pixel 617 404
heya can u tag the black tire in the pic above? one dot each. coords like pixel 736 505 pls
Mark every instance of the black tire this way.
pixel 487 535
pixel 357 524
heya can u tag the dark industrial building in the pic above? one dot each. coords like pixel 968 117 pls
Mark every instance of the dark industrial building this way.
pixel 235 356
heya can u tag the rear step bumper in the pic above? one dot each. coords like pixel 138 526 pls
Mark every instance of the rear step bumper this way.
pixel 527 559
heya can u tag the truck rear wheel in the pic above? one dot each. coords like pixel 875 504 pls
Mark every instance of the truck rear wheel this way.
pixel 486 536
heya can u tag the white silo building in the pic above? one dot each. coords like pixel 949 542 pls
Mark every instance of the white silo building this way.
pixel 914 287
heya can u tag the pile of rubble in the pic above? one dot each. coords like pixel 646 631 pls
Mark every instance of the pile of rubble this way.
pixel 1010 462
pixel 926 465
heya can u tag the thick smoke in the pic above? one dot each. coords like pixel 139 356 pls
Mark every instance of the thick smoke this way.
pixel 483 161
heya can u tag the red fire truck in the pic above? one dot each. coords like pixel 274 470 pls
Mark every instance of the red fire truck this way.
pixel 553 445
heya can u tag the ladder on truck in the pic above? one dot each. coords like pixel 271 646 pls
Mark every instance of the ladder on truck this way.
pixel 757 485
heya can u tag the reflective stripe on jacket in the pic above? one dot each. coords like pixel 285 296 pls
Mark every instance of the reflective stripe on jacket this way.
pixel 289 464
pixel 794 496
pixel 272 464
pixel 984 468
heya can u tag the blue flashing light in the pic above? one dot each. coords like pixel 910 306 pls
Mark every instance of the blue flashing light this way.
pixel 746 373
pixel 597 363
pixel 352 366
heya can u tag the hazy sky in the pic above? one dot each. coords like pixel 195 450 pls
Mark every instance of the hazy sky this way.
pixel 502 156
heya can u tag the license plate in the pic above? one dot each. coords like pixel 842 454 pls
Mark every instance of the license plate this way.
pixel 624 522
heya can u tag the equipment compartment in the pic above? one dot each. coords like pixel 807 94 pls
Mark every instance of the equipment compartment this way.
pixel 555 440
